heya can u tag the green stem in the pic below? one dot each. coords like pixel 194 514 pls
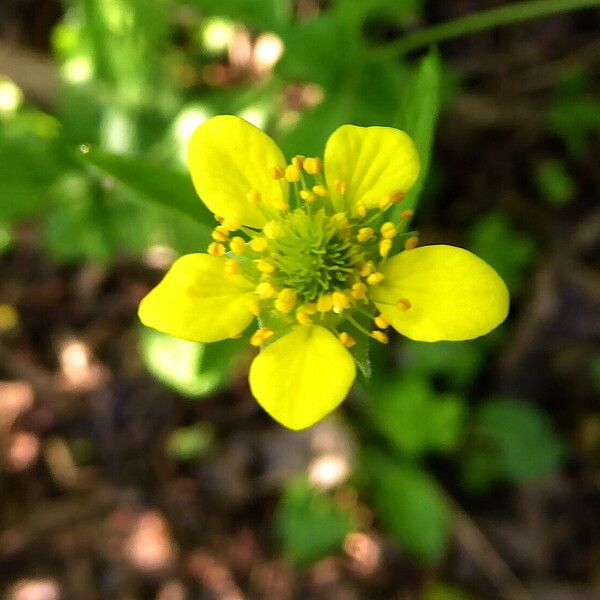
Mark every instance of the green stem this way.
pixel 487 19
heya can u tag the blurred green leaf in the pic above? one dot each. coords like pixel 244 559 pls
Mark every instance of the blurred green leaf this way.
pixel 494 239
pixel 510 440
pixel 165 186
pixel 191 443
pixel 190 368
pixel 414 418
pixel 309 524
pixel 5 238
pixel 411 506
pixel 555 182
pixel 439 591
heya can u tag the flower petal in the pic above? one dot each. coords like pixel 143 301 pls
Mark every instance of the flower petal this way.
pixel 302 377
pixel 372 161
pixel 227 158
pixel 453 294
pixel 198 301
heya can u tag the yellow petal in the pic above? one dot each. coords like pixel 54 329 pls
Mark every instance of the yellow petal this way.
pixel 302 377
pixel 372 161
pixel 228 157
pixel 198 300
pixel 451 293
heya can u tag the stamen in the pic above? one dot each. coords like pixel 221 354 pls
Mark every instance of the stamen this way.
pixel 307 196
pixel 292 173
pixel 253 305
pixel 260 336
pixel 232 267
pixel 341 186
pixel 367 269
pixel 253 197
pixel 220 234
pixel 321 191
pixel 264 266
pixel 361 209
pixel 346 339
pixel 381 321
pixel 375 278
pixel 259 244
pixel 384 247
pixel 298 160
pixel 281 205
pixel 340 220
pixel 406 214
pixel 237 245
pixel 403 304
pixel 277 172
pixel 388 230
pixel 218 219
pixel 313 165
pixel 216 249
pixel 380 336
pixel 411 242
pixel 232 224
pixel 340 302
pixel 396 196
pixel 302 316
pixel 286 300
pixel 271 229
pixel 324 303
pixel 265 290
pixel 359 291
pixel 365 234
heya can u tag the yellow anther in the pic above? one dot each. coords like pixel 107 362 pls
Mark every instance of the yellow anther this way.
pixel 271 230
pixel 264 266
pixel 340 220
pixel 380 336
pixel 302 316
pixel 340 302
pixel 340 185
pixel 277 172
pixel 307 196
pixel 281 205
pixel 258 244
pixel 384 203
pixel 292 173
pixel 232 224
pixel 321 191
pixel 324 303
pixel 361 209
pixel 237 245
pixel 365 234
pixel 388 230
pixel 216 249
pixel 367 269
pixel 396 196
pixel 359 291
pixel 253 197
pixel 346 339
pixel 403 304
pixel 384 247
pixel 406 214
pixel 265 290
pixel 219 219
pixel 298 160
pixel 411 242
pixel 232 266
pixel 375 278
pixel 260 336
pixel 381 321
pixel 253 305
pixel 313 165
pixel 220 234
pixel 286 300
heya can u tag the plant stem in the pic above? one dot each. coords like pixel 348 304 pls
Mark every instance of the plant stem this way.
pixel 487 19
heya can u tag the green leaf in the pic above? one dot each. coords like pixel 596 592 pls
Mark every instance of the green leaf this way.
pixel 439 591
pixel 412 507
pixel 162 185
pixel 511 440
pixel 418 117
pixel 309 524
pixel 555 182
pixel 191 443
pixel 413 418
pixel 190 368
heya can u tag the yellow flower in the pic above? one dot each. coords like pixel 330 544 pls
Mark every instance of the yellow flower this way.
pixel 312 274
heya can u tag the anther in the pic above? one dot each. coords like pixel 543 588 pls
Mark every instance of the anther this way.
pixel 340 302
pixel 286 300
pixel 302 316
pixel 264 266
pixel 220 234
pixel 265 290
pixel 292 173
pixel 403 304
pixel 340 185
pixel 411 242
pixel 384 203
pixel 237 245
pixel 218 218
pixel 232 224
pixel 313 165
pixel 380 336
pixel 346 339
pixel 375 278
pixel 340 220
pixel 253 197
pixel 277 172
pixel 321 191
pixel 298 160
pixel 260 336
pixel 324 303
pixel 253 305
pixel 367 269
pixel 381 321
pixel 359 291
pixel 361 209
pixel 281 205
pixel 365 234
pixel 232 266
pixel 396 196
pixel 271 229
pixel 258 244
pixel 307 196
pixel 406 214
pixel 384 247
pixel 216 249
pixel 388 230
